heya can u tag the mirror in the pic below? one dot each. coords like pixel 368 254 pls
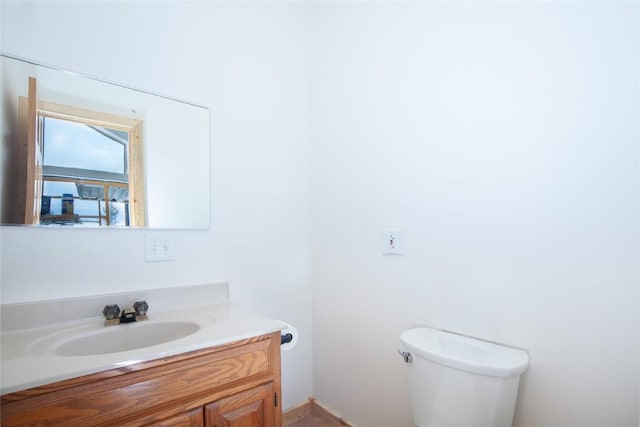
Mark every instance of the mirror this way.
pixel 82 152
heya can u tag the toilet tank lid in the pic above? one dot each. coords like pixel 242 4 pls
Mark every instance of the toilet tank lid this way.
pixel 465 353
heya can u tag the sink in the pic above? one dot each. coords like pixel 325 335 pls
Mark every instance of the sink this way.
pixel 126 337
pixel 95 339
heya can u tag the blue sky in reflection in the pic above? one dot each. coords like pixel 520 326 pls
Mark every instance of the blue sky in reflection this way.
pixel 76 145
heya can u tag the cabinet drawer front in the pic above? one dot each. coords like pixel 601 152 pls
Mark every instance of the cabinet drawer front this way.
pixel 114 398
pixel 192 418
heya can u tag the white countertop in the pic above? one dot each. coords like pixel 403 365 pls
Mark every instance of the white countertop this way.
pixel 29 358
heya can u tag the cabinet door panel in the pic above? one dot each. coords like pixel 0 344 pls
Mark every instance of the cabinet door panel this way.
pixel 251 408
pixel 193 418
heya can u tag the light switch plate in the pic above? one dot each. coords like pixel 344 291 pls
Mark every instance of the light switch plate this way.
pixel 159 248
pixel 392 241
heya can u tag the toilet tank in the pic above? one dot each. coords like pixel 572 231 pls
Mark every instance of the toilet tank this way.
pixel 460 381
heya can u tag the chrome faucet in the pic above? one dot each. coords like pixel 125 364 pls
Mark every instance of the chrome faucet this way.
pixel 113 315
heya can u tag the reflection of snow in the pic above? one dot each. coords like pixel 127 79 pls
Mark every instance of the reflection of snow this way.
pixel 89 208
pixel 83 207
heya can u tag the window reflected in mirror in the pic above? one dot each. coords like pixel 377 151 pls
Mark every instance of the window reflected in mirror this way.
pixel 104 172
pixel 88 171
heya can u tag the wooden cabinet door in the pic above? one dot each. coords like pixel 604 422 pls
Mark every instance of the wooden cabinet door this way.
pixel 192 418
pixel 252 408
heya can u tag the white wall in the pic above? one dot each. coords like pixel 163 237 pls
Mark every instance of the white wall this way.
pixel 249 63
pixel 503 137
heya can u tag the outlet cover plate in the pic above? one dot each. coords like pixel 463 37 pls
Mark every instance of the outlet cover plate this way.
pixel 159 248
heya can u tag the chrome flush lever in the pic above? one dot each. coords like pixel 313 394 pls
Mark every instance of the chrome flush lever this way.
pixel 408 358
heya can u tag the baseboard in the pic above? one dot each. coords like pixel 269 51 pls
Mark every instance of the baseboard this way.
pixel 312 408
pixel 298 413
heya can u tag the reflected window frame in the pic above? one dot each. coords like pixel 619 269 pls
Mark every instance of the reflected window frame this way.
pixel 135 207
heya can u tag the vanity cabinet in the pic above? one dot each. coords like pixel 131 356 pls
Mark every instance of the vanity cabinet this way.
pixel 235 384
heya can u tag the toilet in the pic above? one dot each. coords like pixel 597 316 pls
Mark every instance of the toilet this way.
pixel 460 381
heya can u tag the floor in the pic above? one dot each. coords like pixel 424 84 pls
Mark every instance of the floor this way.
pixel 312 414
pixel 309 421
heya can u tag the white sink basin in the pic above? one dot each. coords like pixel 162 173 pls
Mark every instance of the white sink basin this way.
pixel 115 339
pixel 98 340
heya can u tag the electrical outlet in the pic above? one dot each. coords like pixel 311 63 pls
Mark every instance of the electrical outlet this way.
pixel 159 248
pixel 392 242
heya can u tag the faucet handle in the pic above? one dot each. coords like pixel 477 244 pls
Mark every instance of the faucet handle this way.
pixel 141 308
pixel 111 313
